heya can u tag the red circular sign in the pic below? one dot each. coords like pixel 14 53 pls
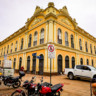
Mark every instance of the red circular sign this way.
pixel 51 48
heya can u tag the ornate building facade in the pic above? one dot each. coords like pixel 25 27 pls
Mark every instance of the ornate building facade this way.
pixel 73 45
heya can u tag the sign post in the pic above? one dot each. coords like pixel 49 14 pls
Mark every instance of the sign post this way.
pixel 51 54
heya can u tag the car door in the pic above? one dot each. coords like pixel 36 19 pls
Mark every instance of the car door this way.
pixel 86 72
pixel 78 70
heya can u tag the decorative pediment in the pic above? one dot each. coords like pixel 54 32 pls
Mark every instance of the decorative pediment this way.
pixel 35 21
pixel 66 21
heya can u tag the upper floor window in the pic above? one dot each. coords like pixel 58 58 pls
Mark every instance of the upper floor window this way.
pixel 35 38
pixel 11 47
pixel 72 41
pixel 59 36
pixel 66 39
pixel 80 44
pixel 4 50
pixel 86 46
pixel 30 39
pixel 94 49
pixel 91 48
pixel 22 43
pixel 7 49
pixel 16 45
pixel 42 36
pixel 0 62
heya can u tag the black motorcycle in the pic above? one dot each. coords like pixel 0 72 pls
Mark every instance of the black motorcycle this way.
pixel 15 82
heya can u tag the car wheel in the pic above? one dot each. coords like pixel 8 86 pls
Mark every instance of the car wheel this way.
pixel 71 77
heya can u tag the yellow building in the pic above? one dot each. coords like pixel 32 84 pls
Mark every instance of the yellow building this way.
pixel 72 44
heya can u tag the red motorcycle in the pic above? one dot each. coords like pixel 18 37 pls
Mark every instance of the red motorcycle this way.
pixel 46 89
pixel 29 89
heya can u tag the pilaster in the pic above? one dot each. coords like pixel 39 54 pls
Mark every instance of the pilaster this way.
pixel 26 40
pixel 46 36
pixel 50 31
pixel 55 32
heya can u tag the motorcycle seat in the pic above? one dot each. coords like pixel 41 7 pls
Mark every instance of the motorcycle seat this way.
pixel 14 78
pixel 56 87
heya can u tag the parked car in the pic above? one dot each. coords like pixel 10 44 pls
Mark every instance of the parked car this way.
pixel 81 71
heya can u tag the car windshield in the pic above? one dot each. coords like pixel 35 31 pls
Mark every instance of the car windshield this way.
pixel 91 67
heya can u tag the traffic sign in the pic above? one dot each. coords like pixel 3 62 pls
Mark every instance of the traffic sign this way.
pixel 51 51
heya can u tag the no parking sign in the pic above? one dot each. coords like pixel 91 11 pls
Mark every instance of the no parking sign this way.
pixel 51 51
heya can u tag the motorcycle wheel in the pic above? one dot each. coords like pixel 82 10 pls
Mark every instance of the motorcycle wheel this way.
pixel 16 84
pixel 17 94
pixel 57 94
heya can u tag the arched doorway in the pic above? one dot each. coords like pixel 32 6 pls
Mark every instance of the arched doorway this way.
pixel 41 64
pixel 14 63
pixel 20 62
pixel 59 64
pixel 28 63
pixel 73 62
pixel 67 62
pixel 34 65
pixel 81 61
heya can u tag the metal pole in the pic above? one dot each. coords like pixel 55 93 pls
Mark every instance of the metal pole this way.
pixel 50 70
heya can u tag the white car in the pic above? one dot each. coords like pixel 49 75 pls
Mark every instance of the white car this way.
pixel 81 71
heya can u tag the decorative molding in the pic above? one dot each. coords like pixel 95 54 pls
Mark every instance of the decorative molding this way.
pixel 66 21
pixel 36 20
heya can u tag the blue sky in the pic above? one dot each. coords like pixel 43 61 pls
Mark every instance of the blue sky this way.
pixel 14 13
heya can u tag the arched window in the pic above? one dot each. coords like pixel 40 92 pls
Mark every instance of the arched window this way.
pixel 59 36
pixel 42 36
pixel 73 62
pixel 20 62
pixel 14 63
pixel 0 62
pixel 59 64
pixel 4 50
pixel 94 50
pixel 81 61
pixel 80 44
pixel 91 48
pixel 41 64
pixel 66 39
pixel 11 47
pixel 35 38
pixel 7 49
pixel 67 62
pixel 86 48
pixel 30 38
pixel 92 63
pixel 22 43
pixel 87 62
pixel 16 45
pixel 72 41
pixel 28 63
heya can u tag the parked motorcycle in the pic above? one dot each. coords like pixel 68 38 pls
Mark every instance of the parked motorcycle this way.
pixel 29 89
pixel 46 89
pixel 15 82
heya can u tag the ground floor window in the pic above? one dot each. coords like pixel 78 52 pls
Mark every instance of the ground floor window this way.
pixel 28 64
pixel 73 62
pixel 34 65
